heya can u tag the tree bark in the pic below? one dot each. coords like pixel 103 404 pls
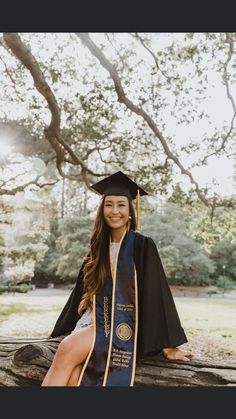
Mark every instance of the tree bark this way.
pixel 24 362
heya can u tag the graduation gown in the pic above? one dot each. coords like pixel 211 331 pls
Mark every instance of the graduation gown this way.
pixel 159 325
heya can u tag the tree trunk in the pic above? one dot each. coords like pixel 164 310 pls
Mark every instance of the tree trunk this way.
pixel 24 362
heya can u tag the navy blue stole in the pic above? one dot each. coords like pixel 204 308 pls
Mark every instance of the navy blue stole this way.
pixel 112 358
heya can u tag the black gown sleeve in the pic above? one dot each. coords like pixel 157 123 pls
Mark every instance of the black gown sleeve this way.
pixel 158 321
pixel 69 316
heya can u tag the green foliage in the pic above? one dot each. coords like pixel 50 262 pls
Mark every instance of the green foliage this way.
pixel 1 253
pixel 105 135
pixel 183 232
pixel 225 283
pixel 210 230
pixel 183 259
pixel 165 74
pixel 178 196
pixel 22 288
pixel 224 253
pixel 3 289
pixel 28 252
pixel 67 246
pixel 47 267
pixel 20 262
pixel 72 243
pixel 6 213
pixel 13 284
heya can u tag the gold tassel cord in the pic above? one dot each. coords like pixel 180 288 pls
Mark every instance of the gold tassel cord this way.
pixel 138 211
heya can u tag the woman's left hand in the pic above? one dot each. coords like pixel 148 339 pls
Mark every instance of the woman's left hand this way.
pixel 175 354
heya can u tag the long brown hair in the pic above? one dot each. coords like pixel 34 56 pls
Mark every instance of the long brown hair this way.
pixel 95 266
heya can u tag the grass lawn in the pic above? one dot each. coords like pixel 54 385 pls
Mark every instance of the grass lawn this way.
pixel 209 323
pixel 208 314
pixel 27 315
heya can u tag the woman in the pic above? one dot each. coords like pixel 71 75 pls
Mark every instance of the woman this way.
pixel 121 306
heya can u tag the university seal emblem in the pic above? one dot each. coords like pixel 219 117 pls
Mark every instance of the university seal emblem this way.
pixel 123 331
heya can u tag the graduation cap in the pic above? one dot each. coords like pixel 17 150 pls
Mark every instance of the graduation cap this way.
pixel 120 184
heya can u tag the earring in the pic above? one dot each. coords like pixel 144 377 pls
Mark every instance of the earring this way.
pixel 130 217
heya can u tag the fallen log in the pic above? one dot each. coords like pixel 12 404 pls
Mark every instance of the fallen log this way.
pixel 25 361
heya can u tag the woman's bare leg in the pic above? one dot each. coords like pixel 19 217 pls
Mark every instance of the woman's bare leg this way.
pixel 74 378
pixel 71 352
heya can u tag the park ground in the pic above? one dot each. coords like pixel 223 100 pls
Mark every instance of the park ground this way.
pixel 208 320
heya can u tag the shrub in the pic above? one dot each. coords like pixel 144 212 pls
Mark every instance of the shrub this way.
pixel 225 283
pixel 23 288
pixel 3 289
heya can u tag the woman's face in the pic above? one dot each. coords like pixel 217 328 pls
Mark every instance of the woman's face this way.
pixel 116 211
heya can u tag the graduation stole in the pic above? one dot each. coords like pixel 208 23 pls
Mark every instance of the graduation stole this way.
pixel 112 358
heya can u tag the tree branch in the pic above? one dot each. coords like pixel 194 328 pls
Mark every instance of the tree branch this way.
pixel 21 188
pixel 96 148
pixel 116 50
pixel 230 41
pixel 12 179
pixel 122 98
pixel 137 36
pixel 15 44
pixel 52 132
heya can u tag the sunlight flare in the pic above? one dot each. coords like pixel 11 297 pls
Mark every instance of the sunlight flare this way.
pixel 5 146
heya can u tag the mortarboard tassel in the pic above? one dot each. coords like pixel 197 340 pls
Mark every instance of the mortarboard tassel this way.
pixel 138 210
